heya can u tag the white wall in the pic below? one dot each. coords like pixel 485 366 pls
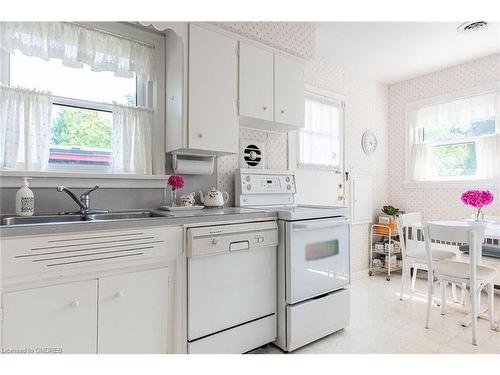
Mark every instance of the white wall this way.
pixel 434 202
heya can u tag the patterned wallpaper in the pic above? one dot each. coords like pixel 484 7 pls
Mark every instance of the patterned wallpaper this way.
pixel 435 203
pixel 296 38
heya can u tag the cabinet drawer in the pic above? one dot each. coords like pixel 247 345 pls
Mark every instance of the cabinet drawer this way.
pixel 223 239
pixel 32 255
pixel 313 319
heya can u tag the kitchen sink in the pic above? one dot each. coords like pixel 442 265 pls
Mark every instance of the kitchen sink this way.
pixel 126 215
pixel 49 219
pixel 58 219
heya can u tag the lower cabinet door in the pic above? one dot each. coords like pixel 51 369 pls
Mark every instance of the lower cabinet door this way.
pixel 133 311
pixel 54 319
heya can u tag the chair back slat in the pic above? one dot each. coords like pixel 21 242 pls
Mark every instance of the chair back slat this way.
pixel 448 233
pixel 410 219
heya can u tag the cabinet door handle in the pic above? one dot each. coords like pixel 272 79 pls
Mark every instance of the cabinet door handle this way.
pixel 282 111
pixel 264 108
pixel 75 304
pixel 200 135
pixel 119 294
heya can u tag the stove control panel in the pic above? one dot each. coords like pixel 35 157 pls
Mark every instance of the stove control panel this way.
pixel 264 187
pixel 261 184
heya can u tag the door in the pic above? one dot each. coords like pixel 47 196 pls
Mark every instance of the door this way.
pixel 317 253
pixel 256 82
pixel 62 318
pixel 213 82
pixel 133 312
pixel 229 289
pixel 289 91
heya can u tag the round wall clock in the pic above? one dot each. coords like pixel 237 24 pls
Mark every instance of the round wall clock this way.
pixel 369 142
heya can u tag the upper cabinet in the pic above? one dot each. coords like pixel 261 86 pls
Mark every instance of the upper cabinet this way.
pixel 214 84
pixel 256 98
pixel 271 90
pixel 202 92
pixel 288 91
pixel 212 94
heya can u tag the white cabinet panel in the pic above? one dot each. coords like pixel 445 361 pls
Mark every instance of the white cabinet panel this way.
pixel 256 82
pixel 133 312
pixel 288 91
pixel 60 316
pixel 213 82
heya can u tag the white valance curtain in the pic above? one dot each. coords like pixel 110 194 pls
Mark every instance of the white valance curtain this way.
pixel 77 44
pixel 132 139
pixel 319 140
pixel 459 112
pixel 25 117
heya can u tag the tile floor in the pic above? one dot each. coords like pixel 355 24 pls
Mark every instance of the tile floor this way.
pixel 380 323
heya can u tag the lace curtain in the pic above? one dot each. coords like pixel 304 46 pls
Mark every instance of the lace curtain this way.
pixel 459 113
pixel 25 117
pixel 132 139
pixel 76 45
pixel 320 139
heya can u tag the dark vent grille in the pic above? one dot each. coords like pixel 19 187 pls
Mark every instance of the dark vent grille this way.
pixel 252 155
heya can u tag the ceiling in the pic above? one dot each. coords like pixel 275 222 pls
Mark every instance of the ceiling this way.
pixel 391 52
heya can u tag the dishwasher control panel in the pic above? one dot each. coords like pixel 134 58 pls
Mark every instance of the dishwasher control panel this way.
pixel 220 239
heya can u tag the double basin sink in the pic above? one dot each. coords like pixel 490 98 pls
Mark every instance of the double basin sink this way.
pixel 58 219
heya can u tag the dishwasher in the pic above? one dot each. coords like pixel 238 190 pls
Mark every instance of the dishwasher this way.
pixel 231 294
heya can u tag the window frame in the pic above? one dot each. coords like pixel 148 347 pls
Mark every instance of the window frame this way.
pixel 148 94
pixel 326 96
pixel 412 137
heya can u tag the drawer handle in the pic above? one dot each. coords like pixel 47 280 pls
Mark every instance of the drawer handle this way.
pixel 75 304
pixel 240 245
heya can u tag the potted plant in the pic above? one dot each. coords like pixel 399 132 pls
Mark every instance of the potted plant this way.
pixel 390 214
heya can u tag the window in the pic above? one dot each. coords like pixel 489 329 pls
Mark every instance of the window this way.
pixel 320 141
pixel 81 107
pixel 88 71
pixel 456 138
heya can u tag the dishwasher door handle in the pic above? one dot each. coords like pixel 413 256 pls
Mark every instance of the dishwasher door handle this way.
pixel 239 245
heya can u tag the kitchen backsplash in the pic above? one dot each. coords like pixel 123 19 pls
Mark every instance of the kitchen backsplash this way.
pixel 275 156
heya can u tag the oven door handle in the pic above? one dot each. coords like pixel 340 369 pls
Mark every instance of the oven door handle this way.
pixel 319 225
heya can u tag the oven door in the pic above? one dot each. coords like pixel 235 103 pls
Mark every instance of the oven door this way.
pixel 317 257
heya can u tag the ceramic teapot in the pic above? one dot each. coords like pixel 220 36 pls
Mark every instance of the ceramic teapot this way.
pixel 188 199
pixel 214 198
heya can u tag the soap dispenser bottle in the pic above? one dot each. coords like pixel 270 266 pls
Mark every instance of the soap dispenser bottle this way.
pixel 25 200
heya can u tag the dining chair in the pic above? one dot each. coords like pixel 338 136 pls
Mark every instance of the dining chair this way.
pixel 475 277
pixel 413 251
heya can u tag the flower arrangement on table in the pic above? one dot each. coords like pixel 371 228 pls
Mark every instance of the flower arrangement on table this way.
pixel 478 199
pixel 175 182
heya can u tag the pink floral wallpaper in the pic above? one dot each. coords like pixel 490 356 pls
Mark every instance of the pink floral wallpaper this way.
pixel 296 38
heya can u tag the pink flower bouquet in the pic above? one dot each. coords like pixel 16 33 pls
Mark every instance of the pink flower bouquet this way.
pixel 477 199
pixel 176 182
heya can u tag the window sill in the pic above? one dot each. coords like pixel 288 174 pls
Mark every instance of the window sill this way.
pixel 11 179
pixel 461 184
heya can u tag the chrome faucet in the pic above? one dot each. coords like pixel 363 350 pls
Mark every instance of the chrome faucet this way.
pixel 83 202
